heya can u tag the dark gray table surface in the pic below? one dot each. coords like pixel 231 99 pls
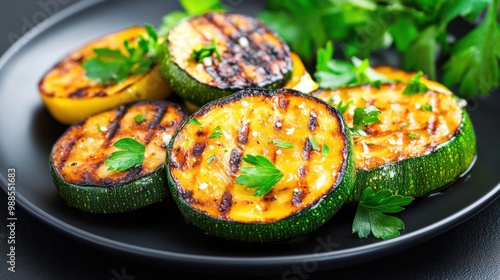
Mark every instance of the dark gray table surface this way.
pixel 469 251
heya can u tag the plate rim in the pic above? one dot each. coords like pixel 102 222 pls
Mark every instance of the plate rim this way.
pixel 348 256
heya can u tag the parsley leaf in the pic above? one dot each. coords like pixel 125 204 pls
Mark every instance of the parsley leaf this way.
pixel 342 107
pixel 427 108
pixel 331 73
pixel 206 51
pixel 363 117
pixel 216 133
pixel 263 176
pixel 370 215
pixel 473 64
pixel 131 155
pixel 194 121
pixel 325 150
pixel 113 66
pixel 140 118
pixel 210 158
pixel 281 144
pixel 314 143
pixel 413 136
pixel 191 8
pixel 415 86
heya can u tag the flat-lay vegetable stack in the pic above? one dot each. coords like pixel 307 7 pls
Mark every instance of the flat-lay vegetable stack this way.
pixel 264 152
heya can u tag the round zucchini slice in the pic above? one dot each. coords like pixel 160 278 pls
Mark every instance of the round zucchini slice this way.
pixel 261 165
pixel 422 143
pixel 251 56
pixel 70 96
pixel 79 165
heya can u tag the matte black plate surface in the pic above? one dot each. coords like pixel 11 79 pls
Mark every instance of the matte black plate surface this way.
pixel 158 234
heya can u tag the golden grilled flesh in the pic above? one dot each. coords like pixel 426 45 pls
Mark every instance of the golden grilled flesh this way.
pixel 205 168
pixel 79 155
pixel 252 55
pixel 70 96
pixel 407 128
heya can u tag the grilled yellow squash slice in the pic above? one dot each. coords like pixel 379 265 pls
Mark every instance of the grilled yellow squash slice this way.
pixel 70 96
pixel 78 158
pixel 422 142
pixel 247 54
pixel 300 136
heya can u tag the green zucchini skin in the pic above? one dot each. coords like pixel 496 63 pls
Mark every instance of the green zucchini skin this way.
pixel 419 176
pixel 121 198
pixel 198 93
pixel 307 220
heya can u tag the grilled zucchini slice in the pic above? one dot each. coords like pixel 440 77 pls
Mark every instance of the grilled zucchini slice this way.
pixel 303 137
pixel 251 56
pixel 70 96
pixel 77 161
pixel 422 143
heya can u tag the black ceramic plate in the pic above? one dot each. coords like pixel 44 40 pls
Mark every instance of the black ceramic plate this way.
pixel 158 234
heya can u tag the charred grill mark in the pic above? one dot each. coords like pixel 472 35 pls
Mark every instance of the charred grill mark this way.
pixel 313 121
pixel 263 56
pixel 187 195
pixel 155 123
pixel 79 93
pixel 243 133
pixel 307 150
pixel 199 148
pixel 114 126
pixel 303 171
pixel 226 203
pixel 100 94
pixel 297 197
pixel 227 70
pixel 235 159
pixel 179 161
pixel 283 102
pixel 201 133
pixel 66 148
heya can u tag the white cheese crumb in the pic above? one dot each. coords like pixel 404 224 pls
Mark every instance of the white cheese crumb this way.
pixel 243 41
pixel 211 147
pixel 203 186
pixel 255 133
pixel 257 206
pixel 207 61
pixel 290 131
pixel 278 152
pixel 462 103
pixel 166 138
pixel 301 106
pixel 279 124
pixel 199 67
pixel 91 140
pixel 104 128
pixel 244 103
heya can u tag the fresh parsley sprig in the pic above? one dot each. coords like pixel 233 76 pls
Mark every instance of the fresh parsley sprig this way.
pixel 370 215
pixel 263 176
pixel 113 66
pixel 363 117
pixel 206 51
pixel 281 144
pixel 415 86
pixel 130 155
pixel 331 73
pixel 417 30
